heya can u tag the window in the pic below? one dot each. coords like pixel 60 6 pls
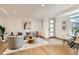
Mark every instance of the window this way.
pixel 74 23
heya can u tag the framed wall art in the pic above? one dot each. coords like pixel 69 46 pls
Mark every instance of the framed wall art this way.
pixel 27 25
pixel 64 25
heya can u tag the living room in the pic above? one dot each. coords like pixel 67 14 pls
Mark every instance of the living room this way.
pixel 46 23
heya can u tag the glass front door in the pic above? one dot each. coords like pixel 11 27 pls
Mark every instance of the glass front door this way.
pixel 51 28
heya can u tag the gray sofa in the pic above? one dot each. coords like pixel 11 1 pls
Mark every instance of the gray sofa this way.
pixel 15 42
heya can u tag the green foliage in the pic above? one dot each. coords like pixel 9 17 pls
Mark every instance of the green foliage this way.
pixel 75 29
pixel 2 29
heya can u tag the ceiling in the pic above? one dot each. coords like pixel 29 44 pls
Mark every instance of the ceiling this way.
pixel 32 10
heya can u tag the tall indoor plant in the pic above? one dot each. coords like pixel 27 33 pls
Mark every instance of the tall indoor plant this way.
pixel 2 31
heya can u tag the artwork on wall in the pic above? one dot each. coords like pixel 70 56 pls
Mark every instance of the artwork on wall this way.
pixel 64 25
pixel 27 25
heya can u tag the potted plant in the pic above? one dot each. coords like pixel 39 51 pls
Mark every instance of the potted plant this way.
pixel 2 31
pixel 75 31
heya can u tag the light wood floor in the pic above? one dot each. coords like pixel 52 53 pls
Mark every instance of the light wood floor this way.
pixel 46 50
pixel 42 50
pixel 3 46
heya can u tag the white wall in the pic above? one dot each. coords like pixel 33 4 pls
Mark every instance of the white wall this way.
pixel 1 20
pixel 15 24
pixel 64 15
pixel 45 28
pixel 58 27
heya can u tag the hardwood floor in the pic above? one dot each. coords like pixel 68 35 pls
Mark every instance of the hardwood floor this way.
pixel 3 46
pixel 52 49
pixel 46 50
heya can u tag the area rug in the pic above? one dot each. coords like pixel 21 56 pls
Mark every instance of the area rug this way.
pixel 38 42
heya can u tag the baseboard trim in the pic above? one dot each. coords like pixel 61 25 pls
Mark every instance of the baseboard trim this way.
pixel 42 37
pixel 59 38
pixel 46 38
